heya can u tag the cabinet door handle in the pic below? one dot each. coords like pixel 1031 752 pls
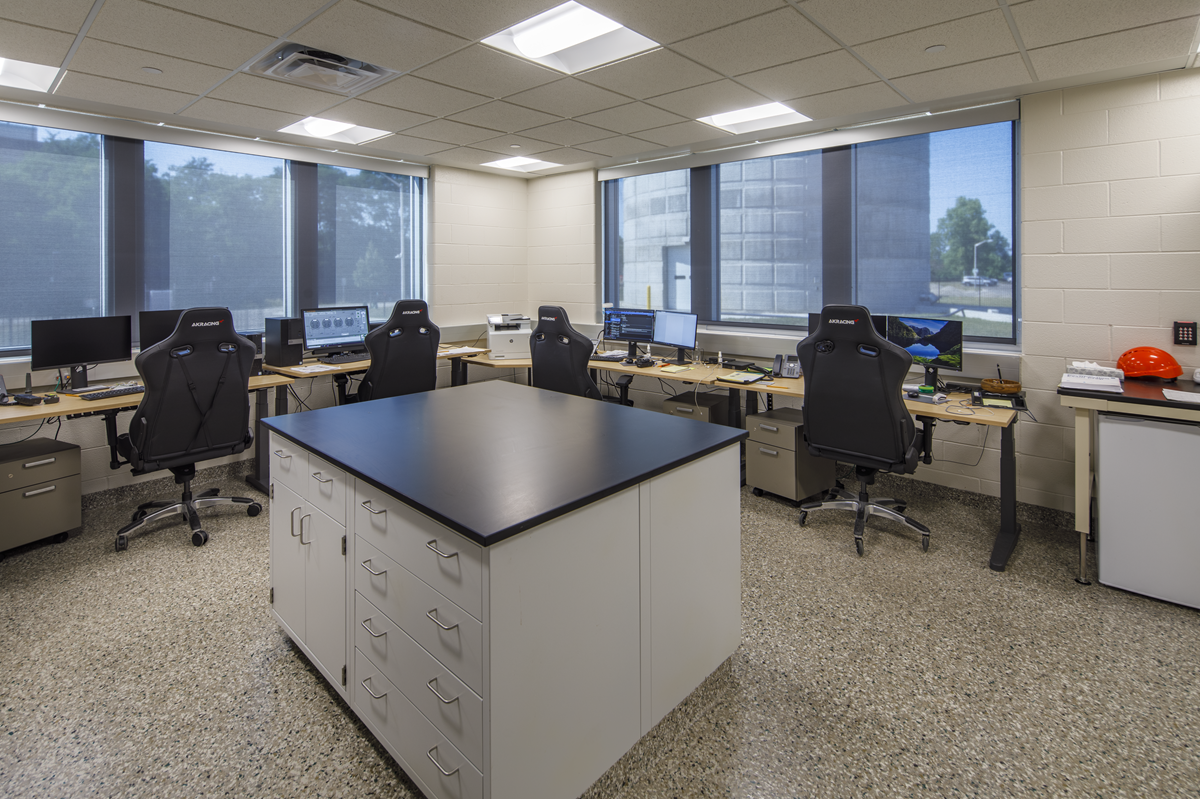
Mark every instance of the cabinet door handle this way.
pixel 281 454
pixel 432 616
pixel 302 518
pixel 433 545
pixel 292 519
pixel 39 463
pixel 768 451
pixel 372 571
pixel 769 428
pixel 372 693
pixel 445 701
pixel 317 476
pixel 39 491
pixel 374 634
pixel 433 760
pixel 367 504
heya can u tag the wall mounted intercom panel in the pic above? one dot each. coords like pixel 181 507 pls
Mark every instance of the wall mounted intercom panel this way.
pixel 786 366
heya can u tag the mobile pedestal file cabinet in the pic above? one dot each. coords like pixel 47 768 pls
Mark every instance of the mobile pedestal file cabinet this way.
pixel 710 407
pixel 39 491
pixel 777 459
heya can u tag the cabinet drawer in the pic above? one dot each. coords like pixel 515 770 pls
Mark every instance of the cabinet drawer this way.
pixel 433 760
pixel 778 428
pixel 444 559
pixel 38 461
pixel 327 488
pixel 39 510
pixel 771 468
pixel 289 464
pixel 446 631
pixel 454 709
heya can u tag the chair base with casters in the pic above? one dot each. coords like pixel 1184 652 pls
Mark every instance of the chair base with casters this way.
pixel 863 506
pixel 187 506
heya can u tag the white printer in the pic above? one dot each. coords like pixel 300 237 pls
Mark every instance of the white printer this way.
pixel 508 336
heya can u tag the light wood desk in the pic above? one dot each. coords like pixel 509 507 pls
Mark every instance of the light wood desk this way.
pixel 458 369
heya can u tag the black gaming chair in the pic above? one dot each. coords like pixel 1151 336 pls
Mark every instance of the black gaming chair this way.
pixel 854 412
pixel 403 353
pixel 196 407
pixel 560 355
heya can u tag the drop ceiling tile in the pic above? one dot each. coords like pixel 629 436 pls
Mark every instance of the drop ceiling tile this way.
pixel 568 132
pixel 858 21
pixel 712 98
pixel 504 145
pixel 1127 48
pixel 243 116
pixel 656 72
pixel 1043 23
pixel 667 21
pixel 275 17
pixel 621 146
pixel 631 118
pixel 373 115
pixel 408 145
pixel 823 73
pixel 981 76
pixel 452 132
pixel 59 15
pixel 872 97
pixel 568 156
pixel 35 45
pixel 366 33
pixel 423 96
pixel 467 155
pixel 476 22
pixel 970 39
pixel 118 92
pixel 682 133
pixel 765 41
pixel 274 94
pixel 163 30
pixel 502 116
pixel 109 60
pixel 482 70
pixel 568 98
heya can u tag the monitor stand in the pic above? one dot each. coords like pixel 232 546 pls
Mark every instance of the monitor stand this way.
pixel 931 376
pixel 680 356
pixel 633 353
pixel 79 377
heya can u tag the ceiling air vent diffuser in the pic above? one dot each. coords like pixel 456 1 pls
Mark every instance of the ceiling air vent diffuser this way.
pixel 318 69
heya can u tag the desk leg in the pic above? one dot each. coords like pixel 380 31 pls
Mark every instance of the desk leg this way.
pixel 262 465
pixel 1083 487
pixel 735 406
pixel 1006 539
pixel 458 372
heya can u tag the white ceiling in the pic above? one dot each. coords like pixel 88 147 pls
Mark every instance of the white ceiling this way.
pixel 460 102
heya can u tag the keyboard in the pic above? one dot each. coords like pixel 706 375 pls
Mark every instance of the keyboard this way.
pixel 112 392
pixel 345 357
pixel 619 356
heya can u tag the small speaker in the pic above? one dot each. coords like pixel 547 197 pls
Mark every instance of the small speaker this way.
pixel 284 340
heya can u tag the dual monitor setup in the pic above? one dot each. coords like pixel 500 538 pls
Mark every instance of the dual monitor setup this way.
pixel 666 328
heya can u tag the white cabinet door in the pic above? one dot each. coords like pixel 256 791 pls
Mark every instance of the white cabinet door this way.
pixel 325 590
pixel 287 558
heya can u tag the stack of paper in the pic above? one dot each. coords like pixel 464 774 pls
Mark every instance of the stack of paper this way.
pixel 1091 383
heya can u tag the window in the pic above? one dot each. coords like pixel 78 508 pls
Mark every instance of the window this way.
pixel 920 225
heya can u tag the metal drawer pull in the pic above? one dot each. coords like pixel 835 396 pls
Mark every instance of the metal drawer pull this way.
pixel 445 701
pixel 372 693
pixel 433 759
pixel 685 410
pixel 433 545
pixel 769 428
pixel 374 634
pixel 372 571
pixel 39 491
pixel 367 504
pixel 280 454
pixel 40 463
pixel 768 451
pixel 432 616
pixel 317 475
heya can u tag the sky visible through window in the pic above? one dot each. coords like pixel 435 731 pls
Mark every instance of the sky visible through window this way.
pixel 973 162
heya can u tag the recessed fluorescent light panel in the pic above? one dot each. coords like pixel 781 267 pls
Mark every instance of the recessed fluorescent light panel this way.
pixel 521 164
pixel 570 38
pixel 760 117
pixel 345 132
pixel 24 75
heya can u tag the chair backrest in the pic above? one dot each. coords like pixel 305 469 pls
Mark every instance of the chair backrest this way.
pixel 853 407
pixel 197 400
pixel 403 353
pixel 560 355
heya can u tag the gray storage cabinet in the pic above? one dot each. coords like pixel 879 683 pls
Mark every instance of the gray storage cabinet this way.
pixel 701 407
pixel 777 459
pixel 39 491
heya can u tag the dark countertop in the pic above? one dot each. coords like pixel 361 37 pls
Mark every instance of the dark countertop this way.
pixel 490 460
pixel 1144 392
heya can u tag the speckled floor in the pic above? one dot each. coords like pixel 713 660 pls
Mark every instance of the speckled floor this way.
pixel 158 672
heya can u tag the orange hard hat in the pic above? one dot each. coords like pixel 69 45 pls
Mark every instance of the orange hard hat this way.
pixel 1149 362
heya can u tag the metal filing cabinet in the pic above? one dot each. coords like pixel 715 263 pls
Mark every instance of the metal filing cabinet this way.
pixel 712 407
pixel 39 491
pixel 777 459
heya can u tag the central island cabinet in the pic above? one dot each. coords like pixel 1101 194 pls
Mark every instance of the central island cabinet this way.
pixel 508 586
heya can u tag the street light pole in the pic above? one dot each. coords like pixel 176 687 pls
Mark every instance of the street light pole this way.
pixel 975 269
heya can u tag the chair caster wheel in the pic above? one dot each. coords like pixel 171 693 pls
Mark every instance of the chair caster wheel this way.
pixel 758 492
pixel 122 543
pixel 803 517
pixel 901 507
pixel 61 538
pixel 138 515
pixel 253 509
pixel 858 544
pixel 924 543
pixel 199 538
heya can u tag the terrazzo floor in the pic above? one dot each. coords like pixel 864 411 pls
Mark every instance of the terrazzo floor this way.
pixel 158 672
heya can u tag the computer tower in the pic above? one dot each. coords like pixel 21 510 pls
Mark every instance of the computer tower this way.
pixel 284 339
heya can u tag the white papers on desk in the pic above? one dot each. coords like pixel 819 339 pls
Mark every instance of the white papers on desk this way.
pixel 461 350
pixel 1091 383
pixel 313 368
pixel 1181 396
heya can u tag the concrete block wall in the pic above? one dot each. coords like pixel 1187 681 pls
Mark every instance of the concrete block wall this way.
pixel 1110 246
pixel 562 245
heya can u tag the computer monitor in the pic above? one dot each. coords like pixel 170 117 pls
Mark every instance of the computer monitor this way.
pixel 933 343
pixel 675 329
pixel 332 330
pixel 154 326
pixel 628 324
pixel 75 344
pixel 878 321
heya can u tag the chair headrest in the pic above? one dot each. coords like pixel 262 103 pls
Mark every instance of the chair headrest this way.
pixel 205 324
pixel 409 311
pixel 846 323
pixel 552 319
